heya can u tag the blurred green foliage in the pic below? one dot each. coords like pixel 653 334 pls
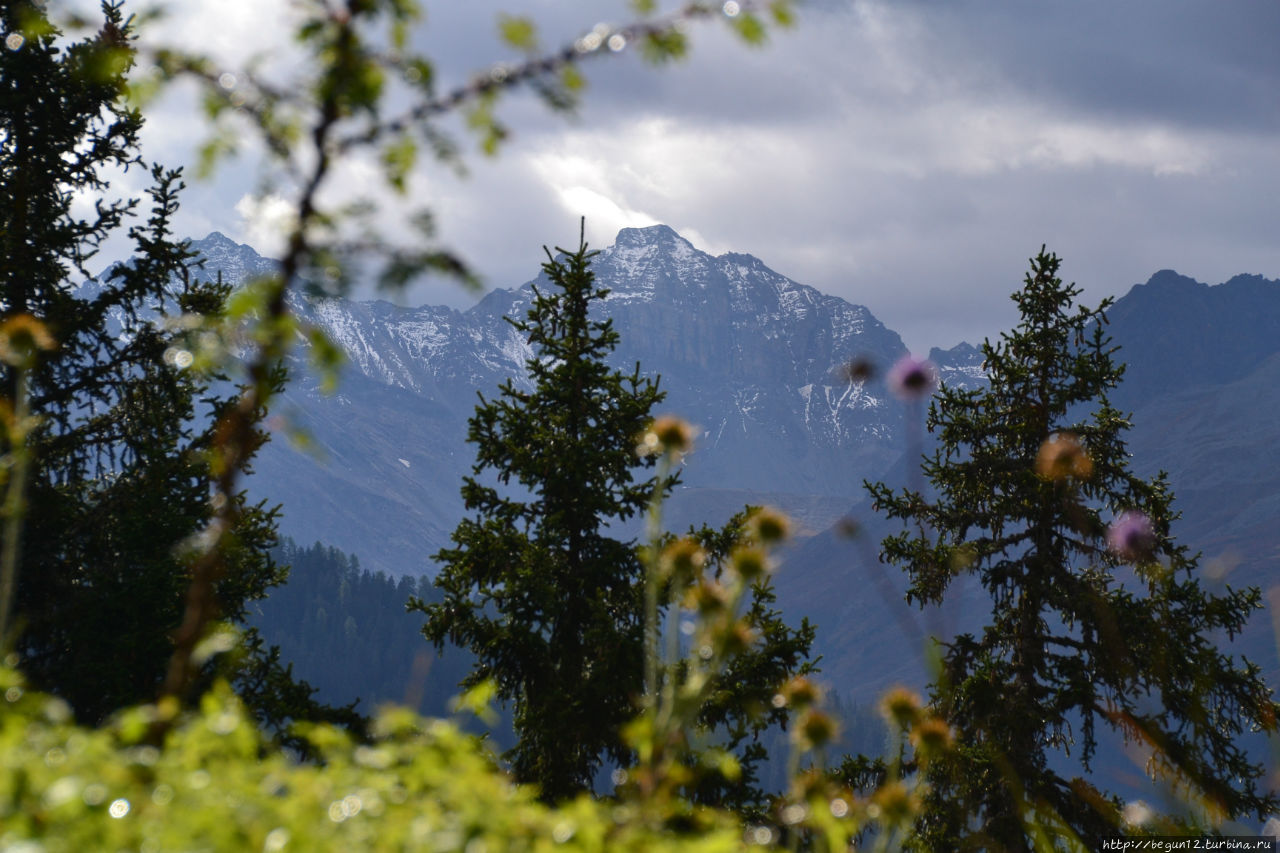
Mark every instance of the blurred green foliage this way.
pixel 418 785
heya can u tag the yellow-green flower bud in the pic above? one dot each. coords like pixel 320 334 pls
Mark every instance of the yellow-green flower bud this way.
pixel 739 639
pixel 931 737
pixel 901 707
pixel 816 729
pixel 21 336
pixel 894 804
pixel 707 597
pixel 682 560
pixel 750 563
pixel 768 525
pixel 800 693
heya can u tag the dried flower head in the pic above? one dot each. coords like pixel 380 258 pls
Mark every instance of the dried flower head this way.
pixel 931 737
pixel 682 560
pixel 750 563
pixel 894 804
pixel 739 638
pixel 667 434
pixel 707 597
pixel 800 693
pixel 901 706
pixel 769 525
pixel 21 336
pixel 1132 536
pixel 860 369
pixel 1061 456
pixel 815 729
pixel 848 527
pixel 913 378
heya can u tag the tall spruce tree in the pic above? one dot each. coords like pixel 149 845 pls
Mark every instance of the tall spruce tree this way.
pixel 549 603
pixel 1092 626
pixel 119 478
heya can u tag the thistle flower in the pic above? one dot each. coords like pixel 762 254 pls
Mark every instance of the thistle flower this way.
pixel 750 563
pixel 894 804
pixel 20 336
pixel 1132 536
pixel 1061 456
pixel 683 560
pixel 1137 813
pixel 901 706
pixel 931 737
pixel 859 370
pixel 667 434
pixel 769 525
pixel 799 693
pixel 815 729
pixel 707 597
pixel 913 378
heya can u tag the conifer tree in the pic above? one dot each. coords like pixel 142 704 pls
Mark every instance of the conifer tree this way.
pixel 119 483
pixel 1098 619
pixel 547 600
pixel 550 604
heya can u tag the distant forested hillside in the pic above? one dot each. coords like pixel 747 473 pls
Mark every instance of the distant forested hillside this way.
pixel 346 632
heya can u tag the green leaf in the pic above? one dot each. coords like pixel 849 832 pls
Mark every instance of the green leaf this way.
pixel 478 701
pixel 519 32
pixel 664 46
pixel 398 159
pixel 749 28
pixel 783 12
pixel 481 120
pixel 571 78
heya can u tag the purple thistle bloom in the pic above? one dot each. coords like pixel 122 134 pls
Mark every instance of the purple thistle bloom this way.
pixel 913 378
pixel 1132 536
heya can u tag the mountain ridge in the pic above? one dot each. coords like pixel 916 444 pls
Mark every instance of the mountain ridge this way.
pixel 749 355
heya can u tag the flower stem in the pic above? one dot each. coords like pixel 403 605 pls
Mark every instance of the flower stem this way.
pixel 15 505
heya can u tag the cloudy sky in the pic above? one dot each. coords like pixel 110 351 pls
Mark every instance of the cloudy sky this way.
pixel 908 156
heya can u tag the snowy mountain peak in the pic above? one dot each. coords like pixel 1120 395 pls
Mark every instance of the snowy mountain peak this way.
pixel 650 235
pixel 746 353
pixel 237 261
pixel 640 259
pixel 217 238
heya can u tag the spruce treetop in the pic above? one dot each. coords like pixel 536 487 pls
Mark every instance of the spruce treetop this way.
pixel 549 602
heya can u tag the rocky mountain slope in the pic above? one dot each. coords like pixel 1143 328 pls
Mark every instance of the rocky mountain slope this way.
pixel 751 357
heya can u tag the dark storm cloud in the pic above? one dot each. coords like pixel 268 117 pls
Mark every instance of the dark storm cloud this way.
pixel 1188 63
pixel 908 156
pixel 1203 63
